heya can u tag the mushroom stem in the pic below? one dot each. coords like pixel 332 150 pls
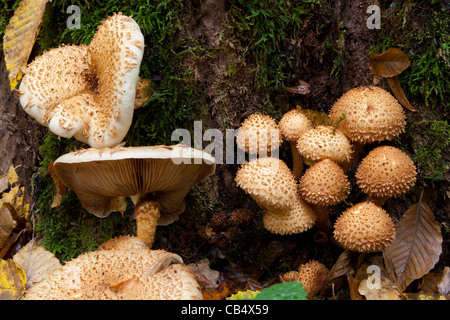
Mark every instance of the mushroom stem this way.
pixel 297 160
pixel 379 201
pixel 147 213
pixel 323 222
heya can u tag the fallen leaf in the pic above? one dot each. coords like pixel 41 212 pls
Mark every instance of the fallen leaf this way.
pixel 302 88
pixel 389 63
pixel 443 285
pixel 143 93
pixel 417 245
pixel 4 184
pixel 12 175
pixel 7 224
pixel 396 88
pixel 353 288
pixel 209 278
pixel 317 118
pixel 12 280
pixel 36 262
pixel 20 35
pixel 386 290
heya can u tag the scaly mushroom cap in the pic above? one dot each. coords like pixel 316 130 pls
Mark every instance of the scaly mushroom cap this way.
pixel 325 142
pixel 269 182
pixel 365 227
pixel 299 218
pixel 259 134
pixel 100 178
pixel 125 242
pixel 88 92
pixel 371 114
pixel 293 124
pixel 386 172
pixel 118 274
pixel 312 275
pixel 324 184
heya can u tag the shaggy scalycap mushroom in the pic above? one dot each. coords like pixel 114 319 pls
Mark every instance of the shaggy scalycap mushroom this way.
pixel 259 134
pixel 269 182
pixel 386 172
pixel 157 178
pixel 371 114
pixel 292 125
pixel 312 275
pixel 120 272
pixel 325 142
pixel 365 227
pixel 87 92
pixel 299 218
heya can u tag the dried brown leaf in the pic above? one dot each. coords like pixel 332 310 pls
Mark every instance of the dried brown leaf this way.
pixel 417 245
pixel 61 188
pixel 389 63
pixel 7 224
pixel 396 88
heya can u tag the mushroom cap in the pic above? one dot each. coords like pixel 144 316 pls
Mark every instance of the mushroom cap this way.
pixel 313 275
pixel 88 92
pixel 166 173
pixel 364 227
pixel 299 218
pixel 324 184
pixel 371 114
pixel 118 274
pixel 325 142
pixel 259 134
pixel 386 172
pixel 293 124
pixel 269 182
pixel 125 242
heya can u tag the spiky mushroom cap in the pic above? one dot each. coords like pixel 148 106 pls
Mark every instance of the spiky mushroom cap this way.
pixel 325 142
pixel 299 218
pixel 312 275
pixel 102 178
pixel 324 184
pixel 116 273
pixel 269 182
pixel 259 134
pixel 364 227
pixel 88 92
pixel 386 172
pixel 371 114
pixel 293 124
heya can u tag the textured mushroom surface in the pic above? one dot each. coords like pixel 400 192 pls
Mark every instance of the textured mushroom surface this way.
pixel 386 172
pixel 364 227
pixel 371 114
pixel 117 274
pixel 259 134
pixel 299 218
pixel 88 92
pixel 100 177
pixel 325 142
pixel 269 182
pixel 312 274
pixel 293 124
pixel 324 184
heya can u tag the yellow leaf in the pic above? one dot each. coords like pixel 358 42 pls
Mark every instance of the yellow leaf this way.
pixel 12 175
pixel 7 224
pixel 20 36
pixel 12 280
pixel 317 118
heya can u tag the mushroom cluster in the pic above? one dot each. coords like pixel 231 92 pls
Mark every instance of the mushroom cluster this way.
pixel 123 268
pixel 312 275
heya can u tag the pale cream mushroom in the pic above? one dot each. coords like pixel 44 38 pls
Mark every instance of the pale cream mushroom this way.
pixel 368 114
pixel 323 185
pixel 122 270
pixel 384 173
pixel 325 142
pixel 292 125
pixel 157 178
pixel 87 92
pixel 259 134
pixel 364 227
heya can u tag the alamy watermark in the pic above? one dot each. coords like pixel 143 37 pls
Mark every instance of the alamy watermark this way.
pixel 374 20
pixel 74 21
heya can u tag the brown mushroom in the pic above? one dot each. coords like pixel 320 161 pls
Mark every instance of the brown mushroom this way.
pixel 364 227
pixel 292 125
pixel 157 178
pixel 384 173
pixel 88 92
pixel 325 142
pixel 259 134
pixel 368 114
pixel 324 185
pixel 312 275
pixel 120 271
